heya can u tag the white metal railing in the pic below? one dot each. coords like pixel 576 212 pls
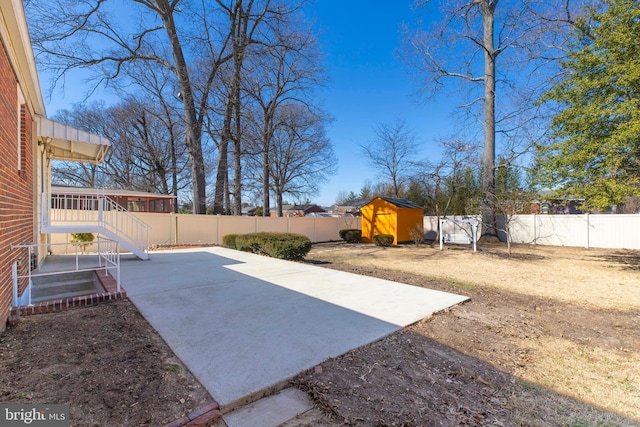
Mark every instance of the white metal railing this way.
pixel 109 254
pixel 108 260
pixel 119 220
pixel 89 209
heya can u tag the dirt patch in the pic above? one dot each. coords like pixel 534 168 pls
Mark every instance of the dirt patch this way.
pixel 105 361
pixel 543 340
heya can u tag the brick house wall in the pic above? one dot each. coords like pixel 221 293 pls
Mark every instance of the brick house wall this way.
pixel 16 183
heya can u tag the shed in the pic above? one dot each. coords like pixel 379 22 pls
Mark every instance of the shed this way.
pixel 386 215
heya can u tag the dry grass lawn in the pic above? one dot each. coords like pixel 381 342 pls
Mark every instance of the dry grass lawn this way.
pixel 565 318
pixel 598 278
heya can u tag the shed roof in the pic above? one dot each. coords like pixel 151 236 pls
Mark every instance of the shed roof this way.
pixel 401 203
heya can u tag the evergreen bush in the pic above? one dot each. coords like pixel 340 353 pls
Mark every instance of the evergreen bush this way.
pixel 287 246
pixel 351 235
pixel 229 241
pixel 383 240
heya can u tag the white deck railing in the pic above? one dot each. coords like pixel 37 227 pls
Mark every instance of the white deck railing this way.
pixel 117 219
pixel 108 259
pixel 68 209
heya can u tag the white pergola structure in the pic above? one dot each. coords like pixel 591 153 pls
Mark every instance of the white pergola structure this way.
pixel 459 238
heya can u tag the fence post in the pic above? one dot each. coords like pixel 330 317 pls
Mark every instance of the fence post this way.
pixel 315 234
pixel 218 229
pixel 588 230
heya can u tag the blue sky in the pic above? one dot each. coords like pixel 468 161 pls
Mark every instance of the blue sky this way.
pixel 369 86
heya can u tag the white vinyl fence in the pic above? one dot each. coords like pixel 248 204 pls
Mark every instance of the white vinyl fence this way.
pixel 588 230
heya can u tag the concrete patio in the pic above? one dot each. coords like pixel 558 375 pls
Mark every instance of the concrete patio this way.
pixel 245 324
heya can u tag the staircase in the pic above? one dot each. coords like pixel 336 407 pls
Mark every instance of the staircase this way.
pixel 62 286
pixel 90 213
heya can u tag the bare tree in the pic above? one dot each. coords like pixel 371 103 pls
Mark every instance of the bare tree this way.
pixel 80 34
pixel 141 157
pixel 287 71
pixel 392 152
pixel 447 178
pixel 250 23
pixel 465 45
pixel 154 136
pixel 84 117
pixel 160 103
pixel 512 197
pixel 461 19
pixel 302 155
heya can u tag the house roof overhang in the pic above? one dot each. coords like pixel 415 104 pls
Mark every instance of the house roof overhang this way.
pixel 65 142
pixel 17 43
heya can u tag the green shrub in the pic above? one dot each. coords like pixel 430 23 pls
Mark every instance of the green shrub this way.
pixel 229 241
pixel 351 235
pixel 383 240
pixel 250 242
pixel 288 246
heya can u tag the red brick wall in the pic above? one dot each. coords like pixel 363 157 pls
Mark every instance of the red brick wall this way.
pixel 16 185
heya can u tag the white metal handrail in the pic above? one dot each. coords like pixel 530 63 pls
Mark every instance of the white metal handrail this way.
pixel 95 209
pixel 108 259
pixel 119 220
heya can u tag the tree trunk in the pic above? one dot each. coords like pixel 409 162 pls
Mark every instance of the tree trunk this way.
pixel 174 172
pixel 221 176
pixel 267 135
pixel 227 196
pixel 265 175
pixel 488 164
pixel 237 152
pixel 193 137
pixel 279 203
pixel 239 41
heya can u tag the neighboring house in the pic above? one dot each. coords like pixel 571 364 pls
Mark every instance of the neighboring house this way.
pixel 386 215
pixel 28 143
pixel 566 206
pixel 574 205
pixel 351 207
pixel 298 210
pixel 249 210
pixel 133 201
pixel 549 203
